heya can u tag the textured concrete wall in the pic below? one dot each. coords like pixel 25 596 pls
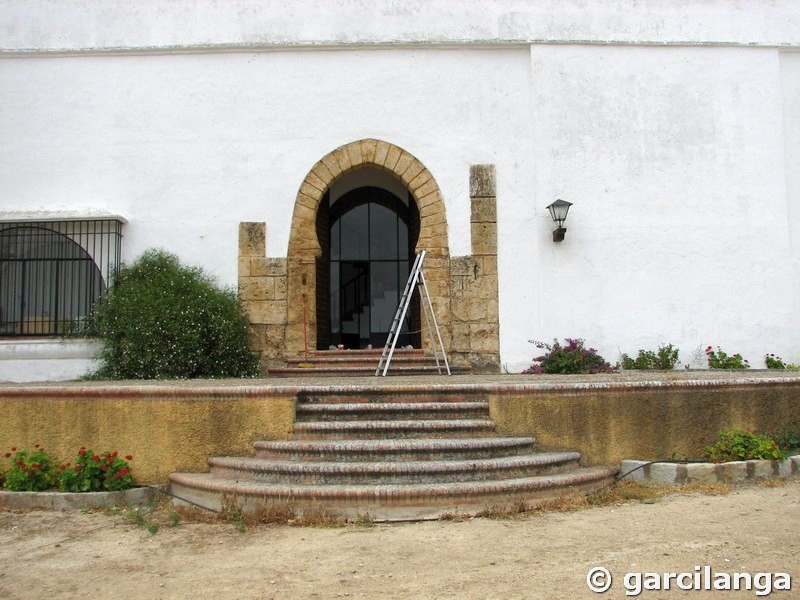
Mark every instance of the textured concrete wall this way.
pixel 608 423
pixel 165 429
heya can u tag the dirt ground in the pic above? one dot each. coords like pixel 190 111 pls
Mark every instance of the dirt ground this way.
pixel 542 555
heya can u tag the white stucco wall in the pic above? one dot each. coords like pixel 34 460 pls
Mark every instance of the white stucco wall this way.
pixel 28 360
pixel 674 158
pixel 188 146
pixel 671 126
pixel 127 24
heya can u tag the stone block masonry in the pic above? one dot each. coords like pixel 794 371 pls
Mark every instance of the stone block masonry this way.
pixel 748 471
pixel 263 294
pixel 474 301
pixel 279 295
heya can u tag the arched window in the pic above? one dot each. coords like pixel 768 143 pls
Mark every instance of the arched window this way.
pixel 370 248
pixel 52 273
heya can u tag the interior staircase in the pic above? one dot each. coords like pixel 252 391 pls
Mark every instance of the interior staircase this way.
pixel 362 363
pixel 391 455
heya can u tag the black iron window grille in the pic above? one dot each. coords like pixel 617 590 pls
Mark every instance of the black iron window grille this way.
pixel 53 272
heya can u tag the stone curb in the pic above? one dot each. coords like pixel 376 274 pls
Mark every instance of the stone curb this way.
pixel 76 501
pixel 670 473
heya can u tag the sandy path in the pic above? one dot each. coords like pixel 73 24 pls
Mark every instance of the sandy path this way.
pixel 73 555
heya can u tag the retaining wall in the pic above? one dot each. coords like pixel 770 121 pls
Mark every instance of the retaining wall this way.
pixel 609 422
pixel 164 428
pixel 176 427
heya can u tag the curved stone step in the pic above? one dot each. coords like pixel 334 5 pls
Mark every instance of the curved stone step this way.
pixel 358 360
pixel 385 502
pixel 438 395
pixel 386 473
pixel 392 429
pixel 323 370
pixel 373 411
pixel 394 450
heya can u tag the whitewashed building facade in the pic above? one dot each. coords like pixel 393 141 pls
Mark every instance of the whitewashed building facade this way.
pixel 672 126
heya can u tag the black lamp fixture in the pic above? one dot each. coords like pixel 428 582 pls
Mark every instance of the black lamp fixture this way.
pixel 558 210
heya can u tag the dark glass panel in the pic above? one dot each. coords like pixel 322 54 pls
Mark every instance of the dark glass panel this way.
pixel 382 233
pixel 354 233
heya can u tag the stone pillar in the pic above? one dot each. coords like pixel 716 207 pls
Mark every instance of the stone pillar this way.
pixel 262 294
pixel 474 299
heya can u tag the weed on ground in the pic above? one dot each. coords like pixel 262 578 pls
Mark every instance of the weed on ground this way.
pixel 164 513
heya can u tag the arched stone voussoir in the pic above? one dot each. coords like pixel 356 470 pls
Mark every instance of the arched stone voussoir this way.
pixel 304 245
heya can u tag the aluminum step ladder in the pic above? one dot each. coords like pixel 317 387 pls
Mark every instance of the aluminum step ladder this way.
pixel 416 279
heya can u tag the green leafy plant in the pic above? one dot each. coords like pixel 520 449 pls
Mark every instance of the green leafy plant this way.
pixel 774 362
pixel 664 359
pixel 164 320
pixel 572 358
pixel 91 472
pixel 30 471
pixel 717 359
pixel 788 437
pixel 738 444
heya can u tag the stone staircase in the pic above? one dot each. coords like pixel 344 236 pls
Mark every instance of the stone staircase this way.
pixel 392 456
pixel 361 363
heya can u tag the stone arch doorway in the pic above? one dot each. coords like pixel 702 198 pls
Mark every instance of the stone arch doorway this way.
pixel 305 257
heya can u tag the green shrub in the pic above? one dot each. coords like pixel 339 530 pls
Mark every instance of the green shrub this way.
pixel 664 359
pixel 163 320
pixel 30 471
pixel 717 359
pixel 774 362
pixel 738 444
pixel 572 358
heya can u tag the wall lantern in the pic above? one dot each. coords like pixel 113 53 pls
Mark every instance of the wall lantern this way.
pixel 558 210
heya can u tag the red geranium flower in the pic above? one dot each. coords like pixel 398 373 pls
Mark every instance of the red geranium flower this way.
pixel 82 451
pixel 13 449
pixel 96 458
pixel 115 453
pixel 78 468
pixel 129 457
pixel 8 454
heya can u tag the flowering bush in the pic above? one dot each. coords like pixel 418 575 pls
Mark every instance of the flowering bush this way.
pixel 91 472
pixel 30 471
pixel 739 444
pixel 572 358
pixel 163 320
pixel 34 472
pixel 717 359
